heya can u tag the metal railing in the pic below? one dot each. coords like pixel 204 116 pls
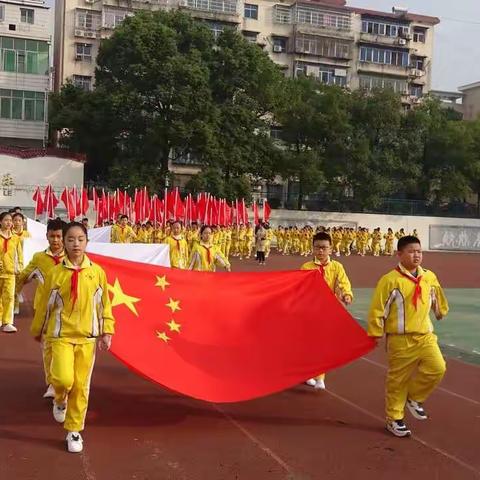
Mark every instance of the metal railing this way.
pixel 220 6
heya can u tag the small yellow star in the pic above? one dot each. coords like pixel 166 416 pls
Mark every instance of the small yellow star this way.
pixel 121 298
pixel 162 282
pixel 163 336
pixel 174 305
pixel 174 326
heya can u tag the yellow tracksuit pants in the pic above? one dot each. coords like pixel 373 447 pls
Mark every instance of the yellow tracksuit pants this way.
pixel 415 367
pixel 47 360
pixel 7 299
pixel 71 371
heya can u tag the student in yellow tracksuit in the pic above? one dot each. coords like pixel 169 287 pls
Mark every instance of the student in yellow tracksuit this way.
pixel 123 233
pixel 334 275
pixel 10 255
pixel 400 310
pixel 389 241
pixel 38 268
pixel 178 247
pixel 74 314
pixel 22 233
pixel 205 256
pixel 376 242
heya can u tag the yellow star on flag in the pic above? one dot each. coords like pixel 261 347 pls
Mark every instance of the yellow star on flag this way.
pixel 163 336
pixel 121 298
pixel 174 305
pixel 174 326
pixel 162 282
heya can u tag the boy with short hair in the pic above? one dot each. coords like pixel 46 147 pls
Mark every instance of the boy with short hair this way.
pixel 334 275
pixel 400 309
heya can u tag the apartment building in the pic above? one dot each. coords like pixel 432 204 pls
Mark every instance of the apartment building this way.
pixel 327 39
pixel 24 72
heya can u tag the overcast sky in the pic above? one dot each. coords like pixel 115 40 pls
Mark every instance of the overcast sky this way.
pixel 456 59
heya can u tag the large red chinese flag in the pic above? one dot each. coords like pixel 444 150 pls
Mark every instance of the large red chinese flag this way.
pixel 227 337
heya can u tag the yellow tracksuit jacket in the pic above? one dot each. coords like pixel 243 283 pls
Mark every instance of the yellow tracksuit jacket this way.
pixel 38 268
pixel 415 362
pixel 392 309
pixel 178 251
pixel 123 235
pixel 201 261
pixel 10 258
pixel 57 317
pixel 71 327
pixel 335 276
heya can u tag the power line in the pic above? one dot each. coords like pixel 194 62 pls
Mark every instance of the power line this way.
pixel 460 21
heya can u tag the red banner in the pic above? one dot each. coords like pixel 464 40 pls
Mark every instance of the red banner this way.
pixel 227 337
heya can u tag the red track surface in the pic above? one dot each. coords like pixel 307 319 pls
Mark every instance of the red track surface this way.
pixel 135 430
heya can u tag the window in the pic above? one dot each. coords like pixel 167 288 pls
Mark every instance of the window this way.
pixel 282 14
pixel 113 18
pixel 216 28
pixel 251 11
pixel 370 82
pixel 384 29
pixel 416 91
pixel 419 35
pixel 83 81
pixel 87 20
pixel 83 52
pixel 26 15
pixel 22 105
pixel 418 63
pixel 383 56
pixel 279 44
pixel 250 36
pixel 23 56
pixel 2 13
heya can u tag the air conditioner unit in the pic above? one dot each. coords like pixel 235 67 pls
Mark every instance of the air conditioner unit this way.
pixel 277 49
pixel 408 36
pixel 402 41
pixel 417 73
pixel 79 33
pixel 340 72
pixel 90 34
pixel 89 1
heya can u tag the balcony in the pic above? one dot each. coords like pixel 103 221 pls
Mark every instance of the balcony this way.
pixel 219 10
pixel 399 42
pixel 383 69
pixel 320 46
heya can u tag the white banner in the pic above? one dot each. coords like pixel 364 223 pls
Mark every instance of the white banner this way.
pixel 100 234
pixel 153 254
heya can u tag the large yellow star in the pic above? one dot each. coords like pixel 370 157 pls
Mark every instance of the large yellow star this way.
pixel 120 298
pixel 174 326
pixel 174 305
pixel 163 336
pixel 162 282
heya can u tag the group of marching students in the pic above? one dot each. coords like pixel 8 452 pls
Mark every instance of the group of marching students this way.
pixel 73 313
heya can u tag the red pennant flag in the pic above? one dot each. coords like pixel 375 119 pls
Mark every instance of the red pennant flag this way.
pixel 255 212
pixel 266 211
pixel 68 201
pixel 84 201
pixel 172 329
pixel 50 201
pixel 39 204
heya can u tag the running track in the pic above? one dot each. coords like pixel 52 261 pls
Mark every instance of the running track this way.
pixel 135 430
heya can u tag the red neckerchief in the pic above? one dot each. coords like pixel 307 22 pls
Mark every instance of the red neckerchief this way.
pixel 418 288
pixel 321 266
pixel 5 243
pixel 209 255
pixel 74 285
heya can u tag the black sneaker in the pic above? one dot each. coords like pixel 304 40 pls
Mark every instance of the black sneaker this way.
pixel 416 409
pixel 398 428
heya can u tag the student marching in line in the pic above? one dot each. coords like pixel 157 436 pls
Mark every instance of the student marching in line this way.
pixel 122 232
pixel 22 233
pixel 400 310
pixel 205 256
pixel 178 247
pixel 389 241
pixel 74 314
pixel 334 275
pixel 10 256
pixel 38 269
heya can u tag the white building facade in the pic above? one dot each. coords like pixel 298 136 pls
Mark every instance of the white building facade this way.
pixel 24 72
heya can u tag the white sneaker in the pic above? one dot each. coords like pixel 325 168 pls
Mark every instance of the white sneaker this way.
pixel 311 382
pixel 74 442
pixel 50 393
pixel 59 412
pixel 16 311
pixel 398 428
pixel 320 385
pixel 9 328
pixel 416 409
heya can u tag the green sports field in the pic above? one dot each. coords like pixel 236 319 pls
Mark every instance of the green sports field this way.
pixel 459 333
